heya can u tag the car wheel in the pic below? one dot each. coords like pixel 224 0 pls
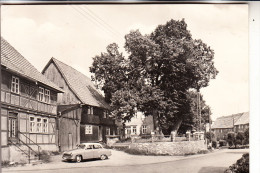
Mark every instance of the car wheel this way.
pixel 103 157
pixel 78 159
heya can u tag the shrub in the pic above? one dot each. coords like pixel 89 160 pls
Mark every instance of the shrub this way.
pixel 141 152
pixel 246 135
pixel 231 139
pixel 240 137
pixel 214 144
pixel 45 156
pixel 241 166
pixel 5 163
pixel 209 135
pixel 203 152
pixel 222 143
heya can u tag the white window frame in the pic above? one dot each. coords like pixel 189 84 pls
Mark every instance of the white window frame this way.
pixel 41 94
pixel 144 129
pixel 134 130
pixel 90 110
pixel 32 124
pixel 45 125
pixel 105 114
pixel 38 125
pixel 88 129
pixel 15 85
pixel 47 96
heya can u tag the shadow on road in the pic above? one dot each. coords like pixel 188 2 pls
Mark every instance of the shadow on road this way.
pixel 212 169
pixel 85 160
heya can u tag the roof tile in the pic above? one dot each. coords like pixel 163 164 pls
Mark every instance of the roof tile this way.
pixel 81 85
pixel 15 62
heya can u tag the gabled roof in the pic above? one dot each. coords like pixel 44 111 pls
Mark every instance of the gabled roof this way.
pixel 244 119
pixel 80 84
pixel 226 121
pixel 15 62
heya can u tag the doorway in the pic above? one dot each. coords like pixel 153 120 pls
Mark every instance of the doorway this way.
pixel 13 127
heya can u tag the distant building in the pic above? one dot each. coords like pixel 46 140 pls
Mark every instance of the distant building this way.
pixel 139 125
pixel 84 114
pixel 242 123
pixel 226 124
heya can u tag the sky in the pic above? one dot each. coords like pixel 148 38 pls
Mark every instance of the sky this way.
pixel 74 34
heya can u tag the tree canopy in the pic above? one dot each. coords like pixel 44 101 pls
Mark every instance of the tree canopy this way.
pixel 157 76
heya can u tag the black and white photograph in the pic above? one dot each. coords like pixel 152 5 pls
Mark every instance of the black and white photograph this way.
pixel 125 88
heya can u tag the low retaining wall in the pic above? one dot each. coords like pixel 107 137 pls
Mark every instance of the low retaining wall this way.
pixel 170 148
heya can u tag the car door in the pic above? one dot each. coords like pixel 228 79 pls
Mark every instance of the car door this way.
pixel 97 151
pixel 88 152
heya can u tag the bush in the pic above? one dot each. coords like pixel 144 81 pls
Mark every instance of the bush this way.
pixel 214 144
pixel 222 143
pixel 141 152
pixel 45 156
pixel 241 166
pixel 231 139
pixel 246 135
pixel 240 137
pixel 209 135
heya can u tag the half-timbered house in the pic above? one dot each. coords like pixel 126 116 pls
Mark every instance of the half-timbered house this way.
pixel 79 91
pixel 28 106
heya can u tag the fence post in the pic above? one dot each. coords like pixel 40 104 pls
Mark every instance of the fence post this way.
pixel 173 136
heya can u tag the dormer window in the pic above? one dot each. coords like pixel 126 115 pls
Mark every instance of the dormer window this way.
pixel 15 85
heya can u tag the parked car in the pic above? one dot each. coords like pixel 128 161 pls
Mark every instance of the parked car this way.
pixel 86 151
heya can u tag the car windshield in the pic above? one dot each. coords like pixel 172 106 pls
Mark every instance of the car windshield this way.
pixel 82 146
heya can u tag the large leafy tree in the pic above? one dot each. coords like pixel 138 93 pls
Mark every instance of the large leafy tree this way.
pixel 156 77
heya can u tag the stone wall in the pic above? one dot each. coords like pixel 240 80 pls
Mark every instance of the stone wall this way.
pixel 170 148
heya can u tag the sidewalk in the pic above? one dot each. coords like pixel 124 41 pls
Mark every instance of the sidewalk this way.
pixel 118 158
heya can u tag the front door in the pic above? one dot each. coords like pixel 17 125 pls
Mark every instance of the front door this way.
pixel 12 127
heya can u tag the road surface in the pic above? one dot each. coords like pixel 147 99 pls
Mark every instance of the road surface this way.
pixel 215 162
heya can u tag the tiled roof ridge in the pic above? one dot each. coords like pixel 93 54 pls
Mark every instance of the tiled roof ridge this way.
pixel 232 115
pixel 76 81
pixel 13 58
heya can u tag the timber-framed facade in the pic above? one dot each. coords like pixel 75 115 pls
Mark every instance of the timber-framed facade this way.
pixel 95 122
pixel 28 106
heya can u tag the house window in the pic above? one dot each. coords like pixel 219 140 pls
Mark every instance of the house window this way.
pixel 105 114
pixel 39 125
pixel 108 131
pixel 144 129
pixel 45 125
pixel 32 124
pixel 90 110
pixel 15 85
pixel 88 129
pixel 41 94
pixel 133 129
pixel 47 96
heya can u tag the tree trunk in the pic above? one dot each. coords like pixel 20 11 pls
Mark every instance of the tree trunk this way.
pixel 155 122
pixel 123 135
pixel 177 125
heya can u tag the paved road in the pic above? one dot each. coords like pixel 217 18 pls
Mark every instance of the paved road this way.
pixel 215 162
